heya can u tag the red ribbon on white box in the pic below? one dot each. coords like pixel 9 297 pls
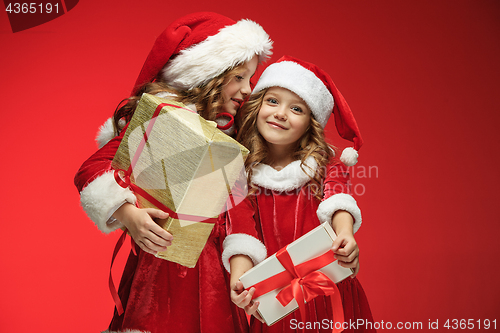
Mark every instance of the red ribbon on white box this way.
pixel 303 282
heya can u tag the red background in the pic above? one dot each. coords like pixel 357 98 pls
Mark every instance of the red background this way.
pixel 421 77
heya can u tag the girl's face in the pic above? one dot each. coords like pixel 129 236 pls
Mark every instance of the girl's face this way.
pixel 235 92
pixel 283 117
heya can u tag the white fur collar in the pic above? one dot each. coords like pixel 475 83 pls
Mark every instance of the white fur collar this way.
pixel 290 177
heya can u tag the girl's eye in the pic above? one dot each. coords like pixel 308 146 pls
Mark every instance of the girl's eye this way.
pixel 296 109
pixel 239 77
pixel 272 100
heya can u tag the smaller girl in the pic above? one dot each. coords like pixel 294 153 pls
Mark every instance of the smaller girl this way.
pixel 295 183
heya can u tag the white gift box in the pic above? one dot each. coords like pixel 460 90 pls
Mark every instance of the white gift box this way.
pixel 313 244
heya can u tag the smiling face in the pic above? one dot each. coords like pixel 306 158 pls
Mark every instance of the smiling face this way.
pixel 238 88
pixel 283 117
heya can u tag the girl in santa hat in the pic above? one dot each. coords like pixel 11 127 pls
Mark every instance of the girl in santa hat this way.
pixel 296 183
pixel 205 61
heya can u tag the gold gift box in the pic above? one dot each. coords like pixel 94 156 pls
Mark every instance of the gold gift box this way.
pixel 184 162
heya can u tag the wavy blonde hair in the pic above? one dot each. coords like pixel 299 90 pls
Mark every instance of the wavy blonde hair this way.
pixel 207 98
pixel 312 143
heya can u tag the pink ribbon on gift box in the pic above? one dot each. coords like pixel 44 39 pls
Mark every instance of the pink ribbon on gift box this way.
pixel 303 282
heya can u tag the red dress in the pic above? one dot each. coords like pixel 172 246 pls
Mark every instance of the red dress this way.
pixel 158 295
pixel 283 210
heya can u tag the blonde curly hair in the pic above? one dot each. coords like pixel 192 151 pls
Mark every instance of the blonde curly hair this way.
pixel 207 98
pixel 312 143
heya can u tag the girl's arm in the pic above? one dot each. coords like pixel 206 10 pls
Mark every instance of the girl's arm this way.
pixel 139 222
pixel 242 248
pixel 242 298
pixel 341 210
pixel 345 247
pixel 111 206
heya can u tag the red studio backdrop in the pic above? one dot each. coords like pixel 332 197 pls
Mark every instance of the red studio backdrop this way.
pixel 420 76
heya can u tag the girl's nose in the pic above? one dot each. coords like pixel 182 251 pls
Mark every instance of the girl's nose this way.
pixel 246 89
pixel 280 114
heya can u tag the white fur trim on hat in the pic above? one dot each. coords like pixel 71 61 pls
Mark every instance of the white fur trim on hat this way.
pixel 289 178
pixel 231 46
pixel 243 244
pixel 303 82
pixel 101 197
pixel 339 201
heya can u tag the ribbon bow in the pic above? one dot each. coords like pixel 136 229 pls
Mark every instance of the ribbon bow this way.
pixel 303 283
pixel 309 283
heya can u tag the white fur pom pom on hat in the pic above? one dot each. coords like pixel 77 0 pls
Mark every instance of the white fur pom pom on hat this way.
pixel 349 156
pixel 106 132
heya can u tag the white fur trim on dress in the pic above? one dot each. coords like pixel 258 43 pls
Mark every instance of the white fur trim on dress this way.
pixel 339 201
pixel 243 244
pixel 289 178
pixel 231 46
pixel 101 197
pixel 106 132
pixel 303 82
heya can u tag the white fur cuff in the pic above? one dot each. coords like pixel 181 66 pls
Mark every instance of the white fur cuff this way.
pixel 339 201
pixel 243 244
pixel 101 198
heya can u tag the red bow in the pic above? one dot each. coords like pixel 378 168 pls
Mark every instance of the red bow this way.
pixel 303 283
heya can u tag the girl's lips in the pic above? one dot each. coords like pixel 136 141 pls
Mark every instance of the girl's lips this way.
pixel 276 125
pixel 237 102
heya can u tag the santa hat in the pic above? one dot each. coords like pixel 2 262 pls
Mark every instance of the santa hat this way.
pixel 199 47
pixel 321 95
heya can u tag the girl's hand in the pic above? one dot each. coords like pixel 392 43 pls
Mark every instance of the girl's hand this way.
pixel 150 237
pixel 347 251
pixel 345 247
pixel 243 299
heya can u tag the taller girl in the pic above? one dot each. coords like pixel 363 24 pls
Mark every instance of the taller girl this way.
pixel 296 184
pixel 205 61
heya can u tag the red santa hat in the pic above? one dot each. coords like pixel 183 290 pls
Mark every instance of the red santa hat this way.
pixel 321 95
pixel 199 47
